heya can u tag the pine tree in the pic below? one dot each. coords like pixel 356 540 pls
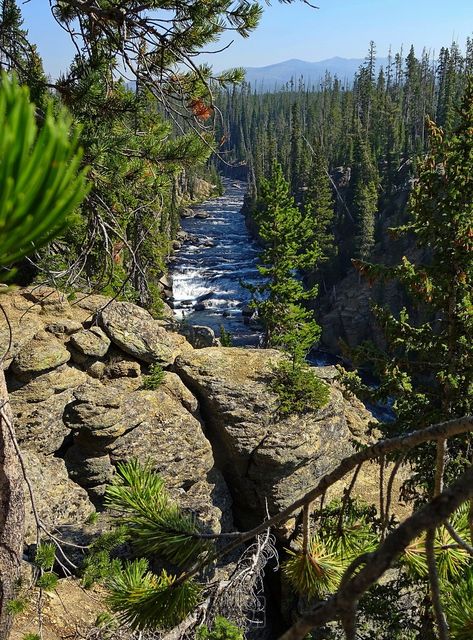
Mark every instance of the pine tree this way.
pixel 365 198
pixel 319 204
pixel 41 186
pixel 296 152
pixel 288 237
pixel 428 367
pixel 290 243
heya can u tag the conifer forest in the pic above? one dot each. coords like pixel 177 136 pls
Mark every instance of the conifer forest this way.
pixel 236 329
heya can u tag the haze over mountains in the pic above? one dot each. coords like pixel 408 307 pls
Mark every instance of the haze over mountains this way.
pixel 276 75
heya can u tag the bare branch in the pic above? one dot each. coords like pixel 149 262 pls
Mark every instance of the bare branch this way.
pixel 435 585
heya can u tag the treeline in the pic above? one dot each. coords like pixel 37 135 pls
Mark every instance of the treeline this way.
pixel 358 144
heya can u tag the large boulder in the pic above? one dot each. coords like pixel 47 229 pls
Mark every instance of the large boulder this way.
pixel 102 413
pixel 173 385
pixel 39 426
pixel 137 333
pixel 200 337
pixel 44 386
pixel 91 342
pixel 42 353
pixel 116 421
pixel 268 462
pixel 38 407
pixel 32 310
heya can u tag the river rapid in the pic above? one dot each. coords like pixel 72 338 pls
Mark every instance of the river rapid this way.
pixel 209 269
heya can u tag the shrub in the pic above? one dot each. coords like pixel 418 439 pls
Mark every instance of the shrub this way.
pixel 155 377
pixel 298 388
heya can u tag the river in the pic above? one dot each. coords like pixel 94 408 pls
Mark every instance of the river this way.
pixel 209 269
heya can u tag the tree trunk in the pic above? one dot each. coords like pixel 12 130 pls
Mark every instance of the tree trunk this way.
pixel 12 513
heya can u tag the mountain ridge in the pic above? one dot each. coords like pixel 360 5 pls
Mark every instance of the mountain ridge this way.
pixel 278 74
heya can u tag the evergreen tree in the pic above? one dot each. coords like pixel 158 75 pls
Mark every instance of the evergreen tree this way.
pixel 290 246
pixel 319 205
pixel 295 153
pixel 364 185
pixel 40 186
pixel 289 241
pixel 428 367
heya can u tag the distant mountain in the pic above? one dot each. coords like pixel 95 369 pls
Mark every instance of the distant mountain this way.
pixel 276 75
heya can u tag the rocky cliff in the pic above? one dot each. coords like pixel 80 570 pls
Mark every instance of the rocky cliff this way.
pixel 75 371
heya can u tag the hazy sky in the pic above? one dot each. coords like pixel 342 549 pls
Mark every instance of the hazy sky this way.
pixel 338 28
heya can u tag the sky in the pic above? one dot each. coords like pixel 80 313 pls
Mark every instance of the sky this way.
pixel 338 28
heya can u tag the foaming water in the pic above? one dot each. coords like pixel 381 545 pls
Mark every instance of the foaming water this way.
pixel 208 271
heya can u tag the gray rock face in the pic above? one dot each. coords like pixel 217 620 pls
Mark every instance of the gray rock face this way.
pixel 59 500
pixel 42 353
pixel 114 423
pixel 172 440
pixel 200 337
pixel 264 458
pixel 48 384
pixel 137 333
pixel 103 413
pixel 39 426
pixel 91 342
pixel 173 385
pixel 123 369
pixel 92 410
pixel 96 414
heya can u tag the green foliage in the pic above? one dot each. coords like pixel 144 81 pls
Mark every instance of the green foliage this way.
pixel 16 606
pixel 144 600
pixel 343 534
pixel 222 629
pixel 290 245
pixel 99 563
pixel 298 388
pixel 31 636
pixel 225 337
pixel 155 523
pixel 452 561
pixel 458 603
pixel 97 567
pixel 427 367
pixel 316 572
pixel 45 556
pixel 364 186
pixel 92 518
pixel 40 178
pixel 155 377
pixel 48 581
pixel 352 530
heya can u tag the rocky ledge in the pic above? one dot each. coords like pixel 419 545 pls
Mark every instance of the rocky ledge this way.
pixel 268 461
pixel 75 372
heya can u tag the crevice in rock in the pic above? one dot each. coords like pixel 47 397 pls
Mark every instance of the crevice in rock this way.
pixel 253 453
pixel 65 446
pixel 220 456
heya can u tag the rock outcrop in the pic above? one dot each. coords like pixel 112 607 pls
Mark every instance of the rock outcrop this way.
pixel 137 333
pixel 75 377
pixel 58 500
pixel 79 405
pixel 211 428
pixel 268 462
